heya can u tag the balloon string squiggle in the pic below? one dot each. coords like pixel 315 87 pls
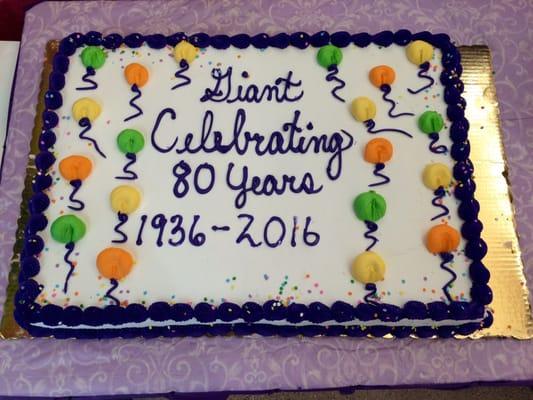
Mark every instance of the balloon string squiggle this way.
pixel 447 258
pixel 114 285
pixel 384 178
pixel 70 249
pixel 332 76
pixel 92 84
pixel 135 89
pixel 371 124
pixel 439 195
pixel 85 123
pixel 371 287
pixel 372 227
pixel 129 174
pixel 122 219
pixel 440 149
pixel 386 89
pixel 179 74
pixel 422 74
pixel 76 184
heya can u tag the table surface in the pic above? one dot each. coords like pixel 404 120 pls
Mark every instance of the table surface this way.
pixel 8 55
pixel 46 367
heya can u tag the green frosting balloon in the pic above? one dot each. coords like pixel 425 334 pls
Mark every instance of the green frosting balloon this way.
pixel 93 56
pixel 430 122
pixel 130 141
pixel 67 229
pixel 369 206
pixel 329 55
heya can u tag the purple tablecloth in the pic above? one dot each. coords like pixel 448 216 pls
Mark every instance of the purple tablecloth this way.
pixel 53 368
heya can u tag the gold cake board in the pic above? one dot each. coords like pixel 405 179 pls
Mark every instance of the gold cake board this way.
pixel 512 313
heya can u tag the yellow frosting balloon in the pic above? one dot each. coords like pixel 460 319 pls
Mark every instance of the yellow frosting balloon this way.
pixel 125 199
pixel 368 267
pixel 86 108
pixel 185 51
pixel 419 52
pixel 436 175
pixel 363 109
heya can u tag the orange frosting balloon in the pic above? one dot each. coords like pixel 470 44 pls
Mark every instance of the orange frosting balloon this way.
pixel 75 167
pixel 114 263
pixel 136 74
pixel 442 239
pixel 378 150
pixel 382 75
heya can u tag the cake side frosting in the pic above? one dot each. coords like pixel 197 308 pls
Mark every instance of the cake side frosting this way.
pixel 274 286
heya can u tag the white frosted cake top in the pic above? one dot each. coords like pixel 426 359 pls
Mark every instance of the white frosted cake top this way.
pixel 220 269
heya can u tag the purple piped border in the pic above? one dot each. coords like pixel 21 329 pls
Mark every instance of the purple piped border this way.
pixel 27 311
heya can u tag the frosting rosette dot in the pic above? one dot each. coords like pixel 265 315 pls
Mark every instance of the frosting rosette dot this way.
pixel 136 74
pixel 378 150
pixel 67 229
pixel 86 108
pixel 430 122
pixel 370 206
pixel 382 75
pixel 125 199
pixel 442 239
pixel 436 175
pixel 363 109
pixel 329 55
pixel 130 141
pixel 114 263
pixel 419 52
pixel 75 167
pixel 368 267
pixel 93 57
pixel 185 51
